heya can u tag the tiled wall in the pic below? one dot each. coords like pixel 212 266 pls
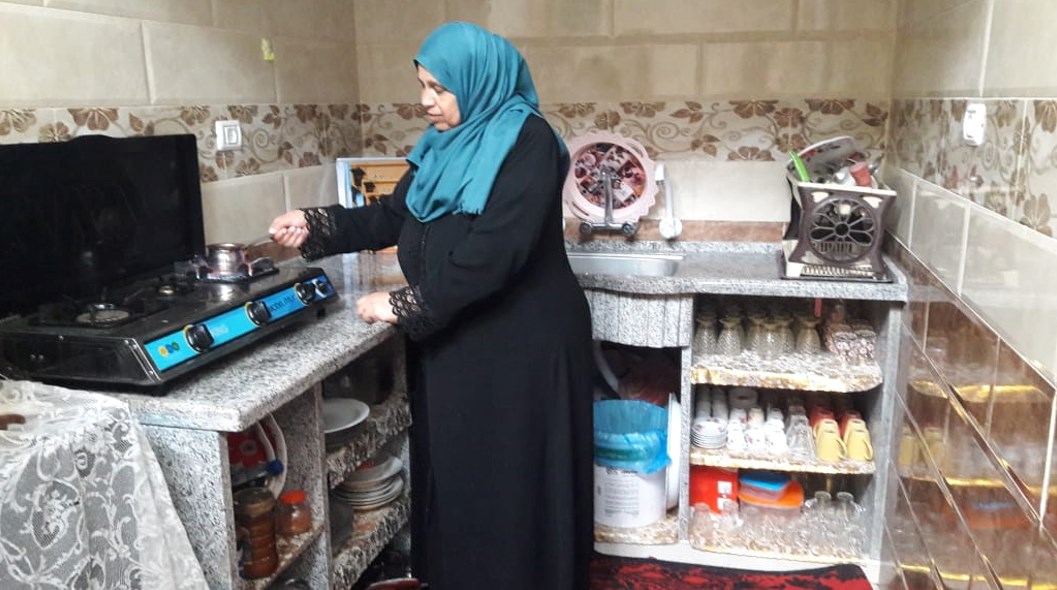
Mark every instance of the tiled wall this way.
pixel 142 67
pixel 974 229
pixel 718 89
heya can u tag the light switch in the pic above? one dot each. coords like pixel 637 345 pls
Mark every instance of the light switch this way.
pixel 974 123
pixel 229 135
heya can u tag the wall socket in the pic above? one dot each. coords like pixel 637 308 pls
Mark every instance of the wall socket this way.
pixel 229 135
pixel 974 123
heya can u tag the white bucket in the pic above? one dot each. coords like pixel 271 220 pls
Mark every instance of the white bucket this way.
pixel 627 499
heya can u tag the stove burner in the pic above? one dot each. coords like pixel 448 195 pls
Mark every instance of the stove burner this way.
pixel 102 313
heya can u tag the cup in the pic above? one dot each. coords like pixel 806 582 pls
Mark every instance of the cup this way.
pixel 857 444
pixel 826 425
pixel 828 445
pixel 818 413
pixel 850 423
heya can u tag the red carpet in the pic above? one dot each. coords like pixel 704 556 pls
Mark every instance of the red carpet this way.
pixel 620 573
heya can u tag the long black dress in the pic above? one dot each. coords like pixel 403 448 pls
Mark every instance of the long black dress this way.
pixel 501 435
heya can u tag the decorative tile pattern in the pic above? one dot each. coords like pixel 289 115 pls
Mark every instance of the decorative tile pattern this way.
pixel 1038 207
pixel 24 125
pixel 722 130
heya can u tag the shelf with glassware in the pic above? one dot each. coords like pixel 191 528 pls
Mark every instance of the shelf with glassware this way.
pixel 783 345
pixel 662 532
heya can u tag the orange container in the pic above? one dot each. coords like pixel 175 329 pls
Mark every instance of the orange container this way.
pixel 709 485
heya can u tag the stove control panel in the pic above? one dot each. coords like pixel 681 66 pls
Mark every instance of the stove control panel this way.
pixel 199 338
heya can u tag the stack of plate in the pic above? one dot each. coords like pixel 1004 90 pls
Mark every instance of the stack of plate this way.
pixel 371 487
pixel 339 416
pixel 709 433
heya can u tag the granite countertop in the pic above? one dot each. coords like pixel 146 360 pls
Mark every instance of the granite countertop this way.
pixel 731 268
pixel 232 393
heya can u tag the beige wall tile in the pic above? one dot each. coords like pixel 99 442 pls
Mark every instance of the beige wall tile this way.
pixel 386 73
pixel 942 56
pixel 642 72
pixel 728 191
pixel 764 69
pixel 846 15
pixel 917 11
pixel 535 18
pixel 311 19
pixel 59 58
pixel 191 65
pixel 311 187
pixel 939 231
pixel 396 21
pixel 1009 278
pixel 190 12
pixel 244 15
pixel 240 210
pixel 900 212
pixel 1022 45
pixel 32 2
pixel 668 17
pixel 313 72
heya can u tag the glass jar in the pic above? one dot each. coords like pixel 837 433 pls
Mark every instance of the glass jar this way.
pixel 255 520
pixel 294 515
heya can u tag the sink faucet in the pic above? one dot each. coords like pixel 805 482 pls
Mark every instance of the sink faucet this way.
pixel 628 228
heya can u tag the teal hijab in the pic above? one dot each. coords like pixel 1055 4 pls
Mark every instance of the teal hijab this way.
pixel 491 82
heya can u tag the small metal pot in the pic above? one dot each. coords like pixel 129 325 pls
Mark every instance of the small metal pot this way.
pixel 228 258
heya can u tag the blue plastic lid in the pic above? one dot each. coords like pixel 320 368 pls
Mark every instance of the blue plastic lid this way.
pixel 764 480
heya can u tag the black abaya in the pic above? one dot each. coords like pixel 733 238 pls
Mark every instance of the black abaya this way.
pixel 501 435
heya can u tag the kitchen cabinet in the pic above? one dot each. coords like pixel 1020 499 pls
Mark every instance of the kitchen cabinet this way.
pixel 283 376
pixel 668 306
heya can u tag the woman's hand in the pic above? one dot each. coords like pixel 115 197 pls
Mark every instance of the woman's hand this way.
pixel 289 229
pixel 375 307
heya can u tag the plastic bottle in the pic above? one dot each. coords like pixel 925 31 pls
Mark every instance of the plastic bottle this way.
pixel 293 515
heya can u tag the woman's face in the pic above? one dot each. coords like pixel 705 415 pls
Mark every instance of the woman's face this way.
pixel 442 109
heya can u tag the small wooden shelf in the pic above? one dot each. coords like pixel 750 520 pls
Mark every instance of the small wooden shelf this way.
pixel 290 548
pixel 387 419
pixel 726 459
pixel 802 372
pixel 371 531
pixel 662 532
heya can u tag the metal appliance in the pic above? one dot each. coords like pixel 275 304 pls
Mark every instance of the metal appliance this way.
pixel 835 230
pixel 102 253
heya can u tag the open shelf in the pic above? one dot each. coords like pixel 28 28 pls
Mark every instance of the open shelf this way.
pixel 729 460
pixel 290 548
pixel 386 420
pixel 802 372
pixel 371 531
pixel 757 541
pixel 662 532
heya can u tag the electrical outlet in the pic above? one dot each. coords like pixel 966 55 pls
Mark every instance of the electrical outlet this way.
pixel 229 135
pixel 974 123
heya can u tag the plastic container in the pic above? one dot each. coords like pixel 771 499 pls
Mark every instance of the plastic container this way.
pixel 628 499
pixel 293 516
pixel 786 507
pixel 766 485
pixel 631 435
pixel 712 485
pixel 255 523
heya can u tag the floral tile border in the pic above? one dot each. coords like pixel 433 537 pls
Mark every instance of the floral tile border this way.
pixel 25 125
pixel 1038 208
pixel 721 130
pixel 1014 173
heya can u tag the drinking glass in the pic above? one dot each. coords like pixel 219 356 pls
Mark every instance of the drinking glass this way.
pixel 807 340
pixel 729 342
pixel 705 336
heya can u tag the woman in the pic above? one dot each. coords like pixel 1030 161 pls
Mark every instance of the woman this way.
pixel 501 439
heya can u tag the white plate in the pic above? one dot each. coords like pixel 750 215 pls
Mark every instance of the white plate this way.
pixel 675 446
pixel 361 478
pixel 341 413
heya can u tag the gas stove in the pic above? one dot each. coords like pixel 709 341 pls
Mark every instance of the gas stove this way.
pixel 157 329
pixel 102 246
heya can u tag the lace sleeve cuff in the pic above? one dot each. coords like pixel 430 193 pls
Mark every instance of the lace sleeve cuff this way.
pixel 413 314
pixel 322 229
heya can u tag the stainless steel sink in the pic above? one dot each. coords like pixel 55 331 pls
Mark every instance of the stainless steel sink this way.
pixel 608 263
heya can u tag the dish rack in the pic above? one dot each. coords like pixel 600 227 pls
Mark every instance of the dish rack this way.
pixel 835 231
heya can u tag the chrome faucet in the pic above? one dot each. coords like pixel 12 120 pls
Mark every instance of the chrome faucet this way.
pixel 628 228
